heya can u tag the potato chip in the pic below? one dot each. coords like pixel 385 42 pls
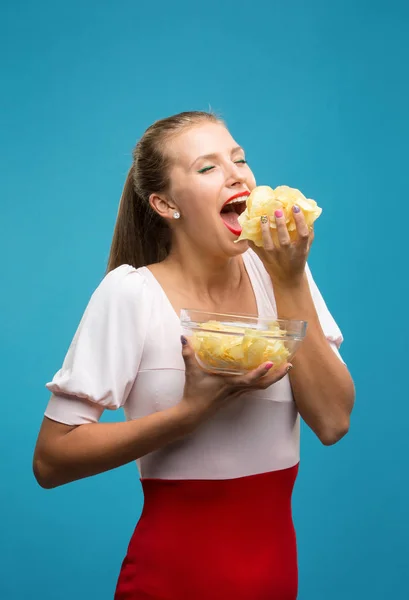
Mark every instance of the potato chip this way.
pixel 265 200
pixel 229 347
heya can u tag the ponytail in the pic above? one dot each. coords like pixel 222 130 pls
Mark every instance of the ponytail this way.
pixel 141 237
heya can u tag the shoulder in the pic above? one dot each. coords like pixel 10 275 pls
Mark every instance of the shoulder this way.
pixel 124 285
pixel 123 280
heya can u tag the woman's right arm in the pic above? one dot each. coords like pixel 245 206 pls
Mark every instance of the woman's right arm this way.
pixel 97 374
pixel 66 453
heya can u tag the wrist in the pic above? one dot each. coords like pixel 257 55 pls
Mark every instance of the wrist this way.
pixel 188 415
pixel 294 300
pixel 295 285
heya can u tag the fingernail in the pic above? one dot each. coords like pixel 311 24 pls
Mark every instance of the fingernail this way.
pixel 289 368
pixel 278 214
pixel 296 208
pixel 183 340
pixel 268 366
pixel 264 219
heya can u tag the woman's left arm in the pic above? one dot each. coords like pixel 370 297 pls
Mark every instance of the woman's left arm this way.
pixel 322 386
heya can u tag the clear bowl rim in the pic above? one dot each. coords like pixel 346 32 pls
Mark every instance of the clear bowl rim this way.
pixel 246 316
pixel 296 336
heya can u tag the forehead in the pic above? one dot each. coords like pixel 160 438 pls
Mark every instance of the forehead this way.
pixel 206 138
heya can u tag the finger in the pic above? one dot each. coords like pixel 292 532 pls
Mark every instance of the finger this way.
pixel 311 235
pixel 310 239
pixel 262 377
pixel 268 243
pixel 303 230
pixel 282 231
pixel 188 354
pixel 252 376
pixel 274 375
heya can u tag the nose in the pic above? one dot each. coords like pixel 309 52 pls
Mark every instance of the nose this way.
pixel 235 176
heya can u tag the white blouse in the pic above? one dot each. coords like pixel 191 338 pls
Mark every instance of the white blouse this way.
pixel 127 352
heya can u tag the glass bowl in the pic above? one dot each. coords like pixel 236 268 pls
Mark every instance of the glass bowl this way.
pixel 235 344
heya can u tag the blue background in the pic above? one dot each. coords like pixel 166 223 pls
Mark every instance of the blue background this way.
pixel 318 94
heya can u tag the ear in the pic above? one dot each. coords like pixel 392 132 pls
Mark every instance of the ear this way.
pixel 162 205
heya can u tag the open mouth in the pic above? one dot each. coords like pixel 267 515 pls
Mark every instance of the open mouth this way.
pixel 231 211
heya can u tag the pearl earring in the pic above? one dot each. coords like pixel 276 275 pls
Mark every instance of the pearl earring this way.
pixel 176 215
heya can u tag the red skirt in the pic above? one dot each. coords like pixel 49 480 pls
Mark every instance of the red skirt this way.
pixel 214 539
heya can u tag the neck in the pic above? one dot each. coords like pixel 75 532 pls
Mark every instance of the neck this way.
pixel 207 276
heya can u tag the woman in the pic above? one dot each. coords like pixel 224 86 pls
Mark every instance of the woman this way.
pixel 217 455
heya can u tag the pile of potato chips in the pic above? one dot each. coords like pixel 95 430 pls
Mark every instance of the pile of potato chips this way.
pixel 264 201
pixel 238 349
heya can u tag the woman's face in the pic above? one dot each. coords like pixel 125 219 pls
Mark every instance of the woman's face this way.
pixel 209 170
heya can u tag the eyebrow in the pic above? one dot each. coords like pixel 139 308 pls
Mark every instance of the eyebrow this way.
pixel 215 155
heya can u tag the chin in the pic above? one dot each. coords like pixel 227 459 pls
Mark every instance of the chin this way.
pixel 235 249
pixel 223 243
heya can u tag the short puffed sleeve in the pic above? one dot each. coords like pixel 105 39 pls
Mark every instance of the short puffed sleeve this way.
pixel 102 361
pixel 327 321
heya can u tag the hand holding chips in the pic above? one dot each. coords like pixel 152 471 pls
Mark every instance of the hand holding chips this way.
pixel 264 201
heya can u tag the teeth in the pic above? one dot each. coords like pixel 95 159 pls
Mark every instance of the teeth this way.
pixel 237 200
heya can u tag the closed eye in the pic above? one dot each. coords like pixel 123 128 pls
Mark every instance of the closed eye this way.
pixel 209 168
pixel 205 169
pixel 241 161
